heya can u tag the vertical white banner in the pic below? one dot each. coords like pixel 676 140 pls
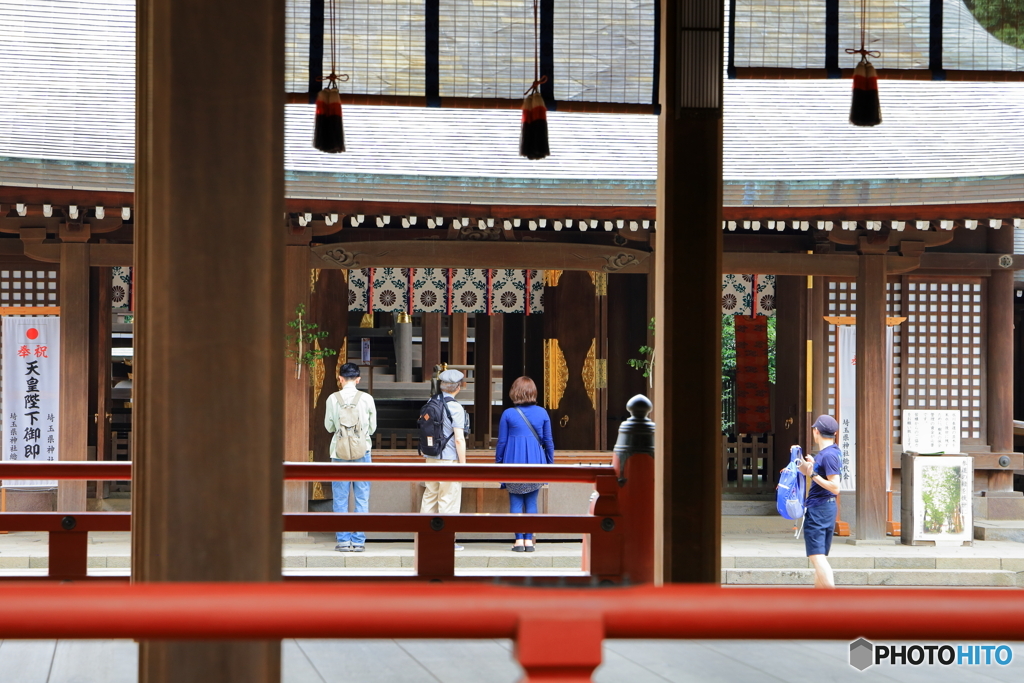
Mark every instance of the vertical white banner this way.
pixel 30 388
pixel 847 377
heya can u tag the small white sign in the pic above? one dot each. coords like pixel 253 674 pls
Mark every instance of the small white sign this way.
pixel 931 431
pixel 365 347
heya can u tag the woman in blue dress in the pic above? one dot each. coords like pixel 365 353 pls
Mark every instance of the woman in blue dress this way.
pixel 524 438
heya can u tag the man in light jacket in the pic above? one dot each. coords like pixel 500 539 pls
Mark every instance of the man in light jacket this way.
pixel 352 417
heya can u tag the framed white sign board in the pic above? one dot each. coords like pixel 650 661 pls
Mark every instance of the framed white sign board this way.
pixel 942 490
pixel 931 431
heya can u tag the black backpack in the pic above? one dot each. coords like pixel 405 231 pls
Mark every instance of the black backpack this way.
pixel 431 424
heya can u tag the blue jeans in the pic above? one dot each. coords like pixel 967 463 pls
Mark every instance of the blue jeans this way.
pixel 340 491
pixel 525 502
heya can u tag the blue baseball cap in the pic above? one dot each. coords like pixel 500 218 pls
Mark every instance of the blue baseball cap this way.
pixel 826 425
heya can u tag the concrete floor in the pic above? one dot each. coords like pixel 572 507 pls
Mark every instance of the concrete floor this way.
pixel 491 661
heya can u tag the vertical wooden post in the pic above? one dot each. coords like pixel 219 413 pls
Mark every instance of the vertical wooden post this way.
pixel 513 361
pixel 74 368
pixel 457 334
pixel 210 201
pixel 817 338
pixel 999 359
pixel 297 381
pixel 873 418
pixel 790 364
pixel 431 356
pixel 688 272
pixel 482 375
pixel 328 308
pixel 99 368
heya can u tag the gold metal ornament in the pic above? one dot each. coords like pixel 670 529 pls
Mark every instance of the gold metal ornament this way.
pixel 314 276
pixel 551 277
pixel 367 320
pixel 318 374
pixel 590 373
pixel 600 281
pixel 601 378
pixel 318 487
pixel 556 374
pixel 403 318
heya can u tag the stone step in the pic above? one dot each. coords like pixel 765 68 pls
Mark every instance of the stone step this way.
pixel 756 524
pixel 761 508
pixel 919 560
pixel 990 508
pixel 875 577
pixel 999 530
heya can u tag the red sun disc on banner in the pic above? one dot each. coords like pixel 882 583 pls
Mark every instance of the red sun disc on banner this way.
pixel 32 333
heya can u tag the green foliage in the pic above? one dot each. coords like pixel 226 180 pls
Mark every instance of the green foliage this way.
pixel 301 344
pixel 1002 18
pixel 644 364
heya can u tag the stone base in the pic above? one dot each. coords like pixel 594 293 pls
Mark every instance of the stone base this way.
pixel 31 501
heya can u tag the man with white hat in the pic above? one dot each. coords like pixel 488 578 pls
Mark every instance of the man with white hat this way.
pixel 445 497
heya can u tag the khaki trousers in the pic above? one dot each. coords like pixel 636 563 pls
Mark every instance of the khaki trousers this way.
pixel 441 497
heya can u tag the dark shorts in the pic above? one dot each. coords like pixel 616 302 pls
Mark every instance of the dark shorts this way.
pixel 819 525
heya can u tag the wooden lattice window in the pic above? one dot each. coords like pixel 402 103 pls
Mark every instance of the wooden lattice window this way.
pixel 944 355
pixel 29 287
pixel 841 301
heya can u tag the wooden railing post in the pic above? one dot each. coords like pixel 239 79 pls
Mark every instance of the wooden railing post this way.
pixel 69 552
pixel 563 648
pixel 634 463
pixel 434 551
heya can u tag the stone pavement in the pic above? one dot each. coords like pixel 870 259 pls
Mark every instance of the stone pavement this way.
pixel 747 559
pixel 491 661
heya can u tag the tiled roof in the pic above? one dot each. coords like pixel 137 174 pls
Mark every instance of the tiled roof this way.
pixel 67 120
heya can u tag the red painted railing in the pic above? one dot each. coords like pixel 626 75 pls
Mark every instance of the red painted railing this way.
pixel 558 632
pixel 621 518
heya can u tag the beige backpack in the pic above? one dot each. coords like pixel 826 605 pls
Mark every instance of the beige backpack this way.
pixel 349 441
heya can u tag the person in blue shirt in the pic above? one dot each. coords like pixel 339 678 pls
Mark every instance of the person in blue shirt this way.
pixel 524 438
pixel 820 517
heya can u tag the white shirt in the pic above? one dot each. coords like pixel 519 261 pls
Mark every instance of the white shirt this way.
pixel 367 412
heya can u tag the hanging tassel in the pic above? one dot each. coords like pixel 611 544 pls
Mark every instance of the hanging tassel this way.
pixel 865 109
pixel 367 320
pixel 533 138
pixel 328 131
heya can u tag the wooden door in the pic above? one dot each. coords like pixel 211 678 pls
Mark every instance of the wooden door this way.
pixel 575 352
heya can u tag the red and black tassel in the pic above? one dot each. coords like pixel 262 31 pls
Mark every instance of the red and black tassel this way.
pixel 865 109
pixel 328 131
pixel 533 138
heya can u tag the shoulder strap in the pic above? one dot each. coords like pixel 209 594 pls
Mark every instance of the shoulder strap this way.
pixel 530 425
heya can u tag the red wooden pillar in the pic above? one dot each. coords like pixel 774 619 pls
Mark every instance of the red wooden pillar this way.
pixel 482 374
pixel 872 399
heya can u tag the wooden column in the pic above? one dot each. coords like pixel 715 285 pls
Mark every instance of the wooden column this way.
pixel 431 356
pixel 99 368
pixel 74 369
pixel 688 265
pixel 209 204
pixel 328 307
pixel 999 357
pixel 512 357
pixel 872 399
pixel 457 334
pixel 482 381
pixel 297 385
pixel 816 335
pixel 790 413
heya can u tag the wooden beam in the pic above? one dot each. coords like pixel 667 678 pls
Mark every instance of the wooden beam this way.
pixel 831 265
pixel 479 254
pixel 296 377
pixel 474 103
pixel 793 74
pixel 431 333
pixel 458 331
pixel 99 368
pixel 999 361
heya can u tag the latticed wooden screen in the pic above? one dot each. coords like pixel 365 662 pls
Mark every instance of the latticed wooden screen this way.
pixel 24 287
pixel 841 300
pixel 944 356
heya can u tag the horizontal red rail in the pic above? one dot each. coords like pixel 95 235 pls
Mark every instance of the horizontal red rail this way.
pixel 317 471
pixel 389 610
pixel 326 521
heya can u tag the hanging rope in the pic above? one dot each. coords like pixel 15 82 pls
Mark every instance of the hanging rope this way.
pixel 328 131
pixel 865 109
pixel 533 136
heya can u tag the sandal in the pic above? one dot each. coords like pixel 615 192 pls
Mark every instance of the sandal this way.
pixel 518 549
